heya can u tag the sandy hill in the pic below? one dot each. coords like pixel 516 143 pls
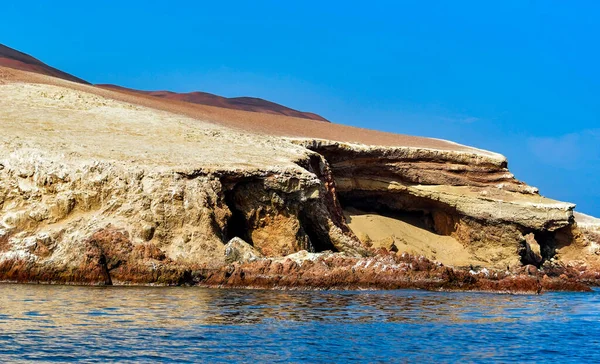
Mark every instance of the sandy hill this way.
pixel 18 60
pixel 12 58
pixel 237 103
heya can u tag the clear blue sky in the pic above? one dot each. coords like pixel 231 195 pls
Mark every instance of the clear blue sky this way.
pixel 518 77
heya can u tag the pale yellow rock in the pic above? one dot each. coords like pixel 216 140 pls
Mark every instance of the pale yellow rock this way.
pixel 73 163
pixel 532 211
pixel 237 250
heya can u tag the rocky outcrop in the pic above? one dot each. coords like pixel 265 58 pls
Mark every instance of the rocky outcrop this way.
pixel 418 165
pixel 209 185
pixel 469 195
pixel 577 248
pixel 238 250
pixel 99 191
pixel 387 270
pixel 50 211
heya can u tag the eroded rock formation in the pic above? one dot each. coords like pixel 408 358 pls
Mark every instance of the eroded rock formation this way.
pixel 386 270
pixel 183 186
pixel 469 195
pixel 98 190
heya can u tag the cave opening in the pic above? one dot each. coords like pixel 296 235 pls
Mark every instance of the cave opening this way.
pixel 544 245
pixel 419 217
pixel 236 225
pixel 320 240
pixel 548 244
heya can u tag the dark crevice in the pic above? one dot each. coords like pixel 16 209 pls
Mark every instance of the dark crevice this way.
pixel 103 263
pixel 319 237
pixel 421 218
pixel 314 165
pixel 305 242
pixel 547 242
pixel 528 256
pixel 236 225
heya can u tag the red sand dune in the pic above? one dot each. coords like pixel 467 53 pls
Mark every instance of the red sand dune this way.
pixel 256 122
pixel 237 103
pixel 14 59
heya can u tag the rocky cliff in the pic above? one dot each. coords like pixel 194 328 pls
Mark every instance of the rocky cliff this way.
pixel 97 188
pixel 469 195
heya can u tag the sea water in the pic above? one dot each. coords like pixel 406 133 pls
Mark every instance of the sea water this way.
pixel 190 324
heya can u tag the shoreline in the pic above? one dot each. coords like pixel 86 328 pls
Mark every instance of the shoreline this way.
pixel 314 272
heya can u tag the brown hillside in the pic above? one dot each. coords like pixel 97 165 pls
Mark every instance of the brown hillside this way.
pixel 237 103
pixel 269 124
pixel 14 59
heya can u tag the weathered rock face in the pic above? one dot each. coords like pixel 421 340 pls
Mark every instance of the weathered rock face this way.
pixel 384 271
pixel 578 248
pixel 71 202
pixel 94 190
pixel 187 200
pixel 419 166
pixel 48 215
pixel 469 195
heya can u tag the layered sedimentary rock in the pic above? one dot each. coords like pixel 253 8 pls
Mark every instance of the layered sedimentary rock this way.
pixel 77 169
pixel 467 194
pixel 578 248
pixel 100 189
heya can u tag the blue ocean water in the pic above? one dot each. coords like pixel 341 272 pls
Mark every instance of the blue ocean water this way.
pixel 190 324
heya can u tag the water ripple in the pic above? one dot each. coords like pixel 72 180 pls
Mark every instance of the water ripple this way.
pixel 99 324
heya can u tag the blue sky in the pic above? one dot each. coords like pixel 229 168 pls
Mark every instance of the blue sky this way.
pixel 518 77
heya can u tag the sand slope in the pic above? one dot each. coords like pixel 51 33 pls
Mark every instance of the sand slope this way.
pixel 409 234
pixel 14 59
pixel 237 103
pixel 21 61
pixel 259 123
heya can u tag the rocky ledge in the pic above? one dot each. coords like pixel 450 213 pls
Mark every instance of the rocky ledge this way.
pixel 99 191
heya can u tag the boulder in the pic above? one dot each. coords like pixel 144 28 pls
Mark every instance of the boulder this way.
pixel 237 250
